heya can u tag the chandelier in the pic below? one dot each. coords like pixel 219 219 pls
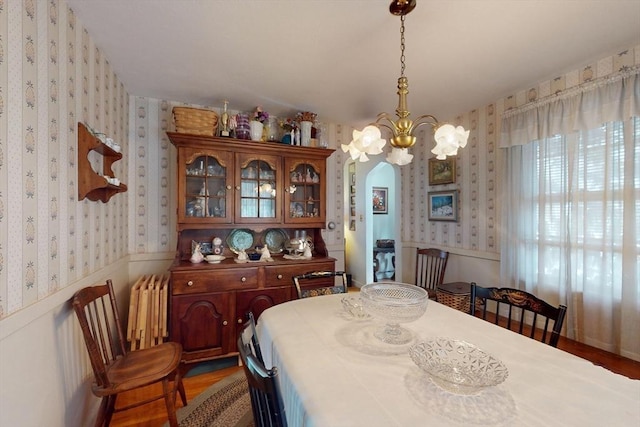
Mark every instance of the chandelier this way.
pixel 369 141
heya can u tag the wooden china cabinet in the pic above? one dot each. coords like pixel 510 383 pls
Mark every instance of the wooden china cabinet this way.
pixel 247 194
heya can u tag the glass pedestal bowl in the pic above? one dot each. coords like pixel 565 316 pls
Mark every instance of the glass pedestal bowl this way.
pixel 394 303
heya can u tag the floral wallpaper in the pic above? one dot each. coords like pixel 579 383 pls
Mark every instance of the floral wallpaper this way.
pixel 52 76
pixel 476 177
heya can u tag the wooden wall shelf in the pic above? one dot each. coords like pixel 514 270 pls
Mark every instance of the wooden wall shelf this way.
pixel 92 185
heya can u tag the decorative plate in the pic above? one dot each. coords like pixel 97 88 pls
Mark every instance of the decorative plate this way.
pixel 275 239
pixel 240 239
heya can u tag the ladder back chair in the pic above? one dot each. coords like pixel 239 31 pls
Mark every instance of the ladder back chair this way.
pixel 116 370
pixel 320 283
pixel 267 404
pixel 431 264
pixel 521 303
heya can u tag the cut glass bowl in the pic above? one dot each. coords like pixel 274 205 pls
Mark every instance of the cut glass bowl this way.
pixel 394 303
pixel 457 366
pixel 354 308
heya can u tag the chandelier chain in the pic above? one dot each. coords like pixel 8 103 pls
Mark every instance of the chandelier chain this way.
pixel 402 46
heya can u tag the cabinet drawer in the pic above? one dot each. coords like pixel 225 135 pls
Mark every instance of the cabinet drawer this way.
pixel 283 275
pixel 223 280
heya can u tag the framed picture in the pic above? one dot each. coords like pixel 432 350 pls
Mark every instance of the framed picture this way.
pixel 443 205
pixel 442 171
pixel 379 199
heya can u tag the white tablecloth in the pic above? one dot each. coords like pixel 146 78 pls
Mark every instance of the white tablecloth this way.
pixel 333 373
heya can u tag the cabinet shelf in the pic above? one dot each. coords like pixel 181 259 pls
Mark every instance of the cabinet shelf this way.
pixel 92 185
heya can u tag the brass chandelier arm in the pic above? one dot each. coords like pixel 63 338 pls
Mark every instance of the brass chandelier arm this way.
pixel 385 116
pixel 425 119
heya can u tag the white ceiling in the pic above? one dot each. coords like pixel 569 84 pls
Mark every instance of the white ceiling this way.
pixel 341 58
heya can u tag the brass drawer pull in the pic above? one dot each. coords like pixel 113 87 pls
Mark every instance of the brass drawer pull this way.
pixel 279 276
pixel 244 279
pixel 225 323
pixel 190 283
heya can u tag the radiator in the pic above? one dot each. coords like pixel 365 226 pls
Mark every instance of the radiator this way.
pixel 147 325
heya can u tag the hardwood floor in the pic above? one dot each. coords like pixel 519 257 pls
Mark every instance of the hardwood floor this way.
pixel 154 414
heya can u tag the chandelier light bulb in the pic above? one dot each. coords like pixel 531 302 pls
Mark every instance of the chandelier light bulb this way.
pixel 368 141
pixel 448 140
pixel 399 156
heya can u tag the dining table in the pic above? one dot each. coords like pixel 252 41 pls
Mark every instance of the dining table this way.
pixel 333 371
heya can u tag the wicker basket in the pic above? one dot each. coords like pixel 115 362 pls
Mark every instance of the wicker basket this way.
pixel 455 295
pixel 195 121
pixel 459 302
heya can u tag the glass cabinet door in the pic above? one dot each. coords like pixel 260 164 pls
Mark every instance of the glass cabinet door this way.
pixel 305 188
pixel 206 192
pixel 259 196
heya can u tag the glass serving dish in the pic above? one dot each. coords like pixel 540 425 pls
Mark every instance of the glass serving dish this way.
pixel 354 308
pixel 394 303
pixel 458 366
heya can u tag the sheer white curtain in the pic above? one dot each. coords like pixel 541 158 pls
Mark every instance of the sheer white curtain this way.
pixel 571 208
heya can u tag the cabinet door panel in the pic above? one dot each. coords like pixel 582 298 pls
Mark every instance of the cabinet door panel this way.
pixel 258 301
pixel 205 186
pixel 305 198
pixel 258 198
pixel 201 323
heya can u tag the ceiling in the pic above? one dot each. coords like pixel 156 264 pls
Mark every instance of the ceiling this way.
pixel 341 58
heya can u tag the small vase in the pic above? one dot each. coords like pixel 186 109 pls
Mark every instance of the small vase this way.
pixel 242 129
pixel 305 133
pixel 256 129
pixel 272 130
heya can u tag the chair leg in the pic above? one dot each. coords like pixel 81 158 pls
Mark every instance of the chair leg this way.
pixel 107 406
pixel 183 394
pixel 178 385
pixel 170 401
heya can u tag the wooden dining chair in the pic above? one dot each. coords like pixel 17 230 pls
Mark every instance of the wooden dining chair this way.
pixel 116 370
pixel 431 264
pixel 267 404
pixel 520 304
pixel 320 283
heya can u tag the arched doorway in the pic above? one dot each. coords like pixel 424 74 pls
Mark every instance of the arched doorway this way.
pixel 363 226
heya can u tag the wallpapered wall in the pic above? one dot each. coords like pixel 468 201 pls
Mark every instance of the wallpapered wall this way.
pixel 52 76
